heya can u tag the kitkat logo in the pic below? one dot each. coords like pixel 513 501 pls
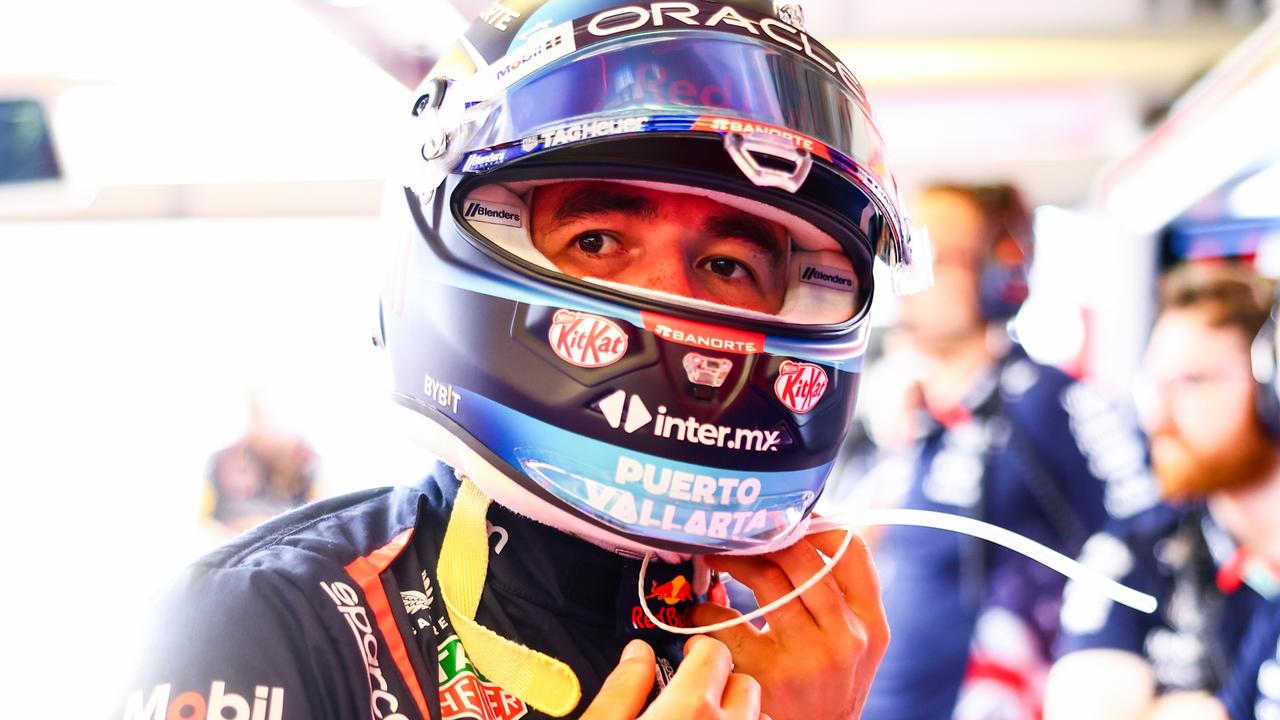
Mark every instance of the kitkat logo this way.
pixel 702 335
pixel 588 341
pixel 800 385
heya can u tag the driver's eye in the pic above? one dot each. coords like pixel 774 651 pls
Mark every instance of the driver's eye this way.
pixel 727 267
pixel 596 243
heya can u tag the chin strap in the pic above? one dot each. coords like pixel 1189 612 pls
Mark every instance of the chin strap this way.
pixel 546 684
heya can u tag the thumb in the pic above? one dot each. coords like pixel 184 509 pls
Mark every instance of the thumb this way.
pixel 626 689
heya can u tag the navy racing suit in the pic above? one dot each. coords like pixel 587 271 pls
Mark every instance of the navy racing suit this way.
pixel 1029 449
pixel 333 611
pixel 1214 631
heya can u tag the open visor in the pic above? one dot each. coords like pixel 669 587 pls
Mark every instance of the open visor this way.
pixel 804 277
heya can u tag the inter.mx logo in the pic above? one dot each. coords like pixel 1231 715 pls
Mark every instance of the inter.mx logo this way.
pixel 634 414
pixel 267 704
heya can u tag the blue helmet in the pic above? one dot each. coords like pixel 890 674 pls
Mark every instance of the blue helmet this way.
pixel 638 419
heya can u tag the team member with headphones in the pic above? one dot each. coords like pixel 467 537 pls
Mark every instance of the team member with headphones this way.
pixel 1210 555
pixel 993 435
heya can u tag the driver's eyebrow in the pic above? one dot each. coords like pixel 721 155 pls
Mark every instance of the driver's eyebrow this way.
pixel 748 228
pixel 595 199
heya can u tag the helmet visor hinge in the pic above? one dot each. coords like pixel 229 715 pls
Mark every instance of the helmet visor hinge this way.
pixel 769 160
pixel 427 107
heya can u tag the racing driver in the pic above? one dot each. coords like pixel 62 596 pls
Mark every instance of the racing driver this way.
pixel 633 269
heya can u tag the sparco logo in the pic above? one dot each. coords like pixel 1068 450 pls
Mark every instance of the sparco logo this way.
pixel 800 385
pixel 493 213
pixel 267 704
pixel 826 277
pixel 382 704
pixel 588 341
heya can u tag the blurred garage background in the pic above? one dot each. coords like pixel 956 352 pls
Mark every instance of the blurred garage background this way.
pixel 189 195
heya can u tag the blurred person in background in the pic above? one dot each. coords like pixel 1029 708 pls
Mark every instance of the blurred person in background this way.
pixel 265 472
pixel 979 429
pixel 630 297
pixel 1210 555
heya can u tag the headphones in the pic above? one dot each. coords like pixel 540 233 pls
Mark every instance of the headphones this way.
pixel 1007 263
pixel 1262 356
pixel 1004 277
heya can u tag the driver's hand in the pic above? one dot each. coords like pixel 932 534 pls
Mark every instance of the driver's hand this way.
pixel 704 687
pixel 819 653
pixel 1187 705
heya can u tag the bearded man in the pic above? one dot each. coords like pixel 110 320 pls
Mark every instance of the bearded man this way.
pixel 1209 406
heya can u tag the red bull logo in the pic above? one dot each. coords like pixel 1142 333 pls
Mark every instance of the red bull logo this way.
pixel 800 385
pixel 672 592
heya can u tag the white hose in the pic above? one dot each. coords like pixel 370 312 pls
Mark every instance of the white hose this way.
pixel 1085 577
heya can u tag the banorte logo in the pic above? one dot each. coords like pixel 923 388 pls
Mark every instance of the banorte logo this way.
pixel 267 704
pixel 588 341
pixel 800 385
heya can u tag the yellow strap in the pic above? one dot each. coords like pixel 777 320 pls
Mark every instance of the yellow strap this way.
pixel 543 682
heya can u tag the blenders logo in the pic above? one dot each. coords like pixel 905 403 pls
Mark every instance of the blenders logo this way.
pixel 829 277
pixel 484 160
pixel 702 335
pixel 588 341
pixel 800 385
pixel 632 18
pixel 493 213
pixel 267 704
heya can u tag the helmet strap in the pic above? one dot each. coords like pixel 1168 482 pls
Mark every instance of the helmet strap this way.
pixel 545 683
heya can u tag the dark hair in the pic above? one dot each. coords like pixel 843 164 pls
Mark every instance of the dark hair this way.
pixel 1005 214
pixel 1233 295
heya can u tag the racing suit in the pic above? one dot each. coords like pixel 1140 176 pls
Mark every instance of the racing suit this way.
pixel 1218 623
pixel 333 611
pixel 1028 449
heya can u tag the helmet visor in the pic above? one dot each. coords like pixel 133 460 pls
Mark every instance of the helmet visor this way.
pixel 710 81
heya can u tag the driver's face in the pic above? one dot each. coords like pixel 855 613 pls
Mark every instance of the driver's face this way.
pixel 680 244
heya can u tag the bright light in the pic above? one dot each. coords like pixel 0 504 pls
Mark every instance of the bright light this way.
pixel 1257 196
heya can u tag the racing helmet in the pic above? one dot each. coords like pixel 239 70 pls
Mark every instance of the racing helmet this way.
pixel 639 419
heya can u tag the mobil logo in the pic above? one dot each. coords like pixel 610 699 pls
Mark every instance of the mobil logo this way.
pixel 588 341
pixel 800 385
pixel 267 703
